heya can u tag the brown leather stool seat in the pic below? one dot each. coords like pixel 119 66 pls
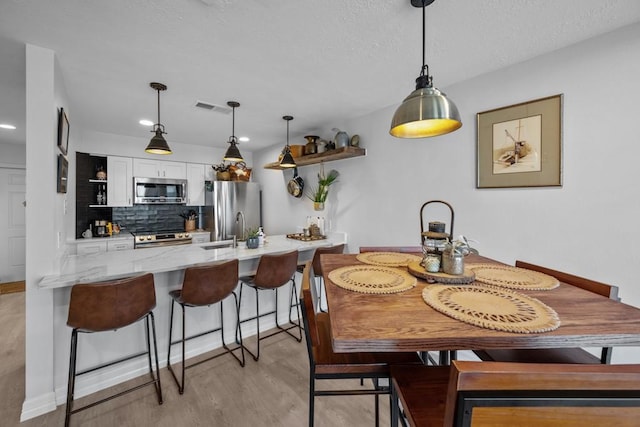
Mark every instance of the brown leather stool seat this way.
pixel 107 306
pixel 205 285
pixel 317 267
pixel 274 271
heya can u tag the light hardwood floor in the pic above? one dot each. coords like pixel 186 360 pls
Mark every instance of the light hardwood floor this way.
pixel 271 392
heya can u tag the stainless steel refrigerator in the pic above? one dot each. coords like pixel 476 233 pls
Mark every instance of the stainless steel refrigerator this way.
pixel 231 208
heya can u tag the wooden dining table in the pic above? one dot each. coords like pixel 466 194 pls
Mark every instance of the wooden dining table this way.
pixel 404 322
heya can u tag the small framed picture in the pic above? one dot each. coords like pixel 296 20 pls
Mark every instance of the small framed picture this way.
pixel 63 169
pixel 521 145
pixel 63 131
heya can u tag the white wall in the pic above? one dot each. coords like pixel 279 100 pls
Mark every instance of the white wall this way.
pixel 12 155
pixel 41 250
pixel 587 227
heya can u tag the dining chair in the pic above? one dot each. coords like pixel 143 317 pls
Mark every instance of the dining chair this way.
pixel 274 271
pixel 516 394
pixel 556 355
pixel 203 286
pixel 325 364
pixel 106 307
pixel 317 267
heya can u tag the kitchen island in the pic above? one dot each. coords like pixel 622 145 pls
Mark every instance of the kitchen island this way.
pixel 167 265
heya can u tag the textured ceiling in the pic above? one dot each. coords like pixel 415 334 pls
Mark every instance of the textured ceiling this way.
pixel 320 61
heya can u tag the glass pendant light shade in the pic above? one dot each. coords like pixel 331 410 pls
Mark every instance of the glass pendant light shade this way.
pixel 158 145
pixel 233 153
pixel 425 112
pixel 287 159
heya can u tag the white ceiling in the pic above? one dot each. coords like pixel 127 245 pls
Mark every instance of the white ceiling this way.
pixel 320 61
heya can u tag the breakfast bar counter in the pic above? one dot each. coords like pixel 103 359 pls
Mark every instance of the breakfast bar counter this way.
pixel 117 264
pixel 167 265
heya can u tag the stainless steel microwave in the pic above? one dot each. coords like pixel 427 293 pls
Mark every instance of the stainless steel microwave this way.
pixel 150 191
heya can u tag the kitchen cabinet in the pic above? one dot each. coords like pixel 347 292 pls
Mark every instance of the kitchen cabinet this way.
pixel 327 156
pixel 91 247
pixel 151 168
pixel 104 244
pixel 195 184
pixel 119 245
pixel 120 181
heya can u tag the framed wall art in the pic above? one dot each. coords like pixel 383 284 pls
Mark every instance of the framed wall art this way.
pixel 63 131
pixel 63 171
pixel 521 145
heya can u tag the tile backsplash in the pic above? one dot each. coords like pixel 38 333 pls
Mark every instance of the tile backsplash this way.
pixel 140 218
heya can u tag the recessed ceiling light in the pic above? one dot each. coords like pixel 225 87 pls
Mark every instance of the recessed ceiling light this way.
pixel 244 139
pixel 145 122
pixel 7 126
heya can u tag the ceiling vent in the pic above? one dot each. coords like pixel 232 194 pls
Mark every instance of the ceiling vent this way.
pixel 213 107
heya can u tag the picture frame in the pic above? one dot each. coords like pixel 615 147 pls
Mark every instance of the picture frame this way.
pixel 63 171
pixel 520 145
pixel 63 131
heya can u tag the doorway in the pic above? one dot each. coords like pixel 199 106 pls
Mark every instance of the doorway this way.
pixel 12 228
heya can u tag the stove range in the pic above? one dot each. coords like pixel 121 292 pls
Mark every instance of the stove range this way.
pixel 152 239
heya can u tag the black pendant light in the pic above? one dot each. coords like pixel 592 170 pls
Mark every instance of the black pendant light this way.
pixel 158 145
pixel 426 111
pixel 287 159
pixel 233 154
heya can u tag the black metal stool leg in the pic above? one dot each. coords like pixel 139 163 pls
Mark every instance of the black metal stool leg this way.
pixel 155 349
pixel 72 376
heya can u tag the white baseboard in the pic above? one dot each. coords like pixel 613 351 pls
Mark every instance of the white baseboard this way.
pixel 37 406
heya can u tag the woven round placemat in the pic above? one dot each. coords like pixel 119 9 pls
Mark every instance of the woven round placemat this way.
pixel 512 277
pixel 491 308
pixel 372 279
pixel 387 259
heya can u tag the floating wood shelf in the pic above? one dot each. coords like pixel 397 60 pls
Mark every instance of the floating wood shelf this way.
pixel 327 156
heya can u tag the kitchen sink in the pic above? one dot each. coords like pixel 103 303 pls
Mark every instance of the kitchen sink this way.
pixel 222 244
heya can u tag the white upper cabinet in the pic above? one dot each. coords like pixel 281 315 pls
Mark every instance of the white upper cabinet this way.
pixel 195 184
pixel 120 186
pixel 150 168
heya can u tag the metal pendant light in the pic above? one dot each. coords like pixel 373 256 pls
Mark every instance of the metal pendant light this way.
pixel 158 145
pixel 287 159
pixel 426 111
pixel 233 153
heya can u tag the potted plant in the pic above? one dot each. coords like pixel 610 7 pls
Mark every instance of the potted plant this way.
pixel 453 255
pixel 318 195
pixel 222 172
pixel 253 238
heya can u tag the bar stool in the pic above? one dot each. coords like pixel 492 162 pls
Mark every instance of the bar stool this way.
pixel 107 306
pixel 317 268
pixel 203 286
pixel 274 271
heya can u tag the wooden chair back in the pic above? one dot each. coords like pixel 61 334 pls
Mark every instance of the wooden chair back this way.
pixel 508 394
pixel 307 303
pixel 317 267
pixel 609 291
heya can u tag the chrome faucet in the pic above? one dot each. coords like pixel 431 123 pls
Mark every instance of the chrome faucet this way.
pixel 239 215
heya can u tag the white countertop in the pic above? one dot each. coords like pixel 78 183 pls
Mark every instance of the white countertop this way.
pixel 112 265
